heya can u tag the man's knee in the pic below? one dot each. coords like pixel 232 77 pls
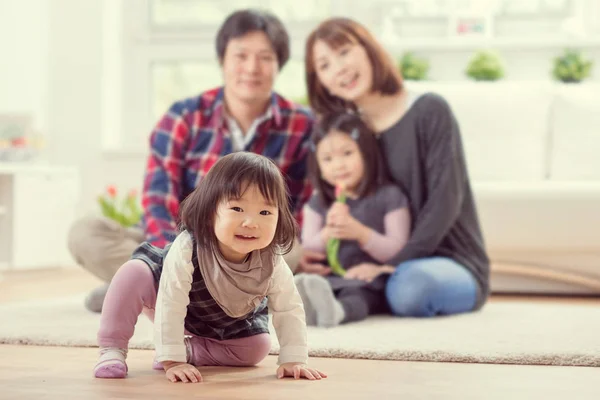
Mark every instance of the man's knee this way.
pixel 83 237
pixel 99 245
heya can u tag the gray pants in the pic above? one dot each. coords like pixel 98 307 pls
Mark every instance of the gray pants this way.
pixel 100 245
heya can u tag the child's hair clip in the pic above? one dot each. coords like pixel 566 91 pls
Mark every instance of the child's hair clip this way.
pixel 354 134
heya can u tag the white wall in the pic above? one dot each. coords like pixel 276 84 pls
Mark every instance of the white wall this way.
pixel 51 67
pixel 76 81
pixel 24 59
pixel 64 90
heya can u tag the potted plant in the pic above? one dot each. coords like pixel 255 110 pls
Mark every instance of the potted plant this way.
pixel 413 67
pixel 485 65
pixel 125 211
pixel 571 67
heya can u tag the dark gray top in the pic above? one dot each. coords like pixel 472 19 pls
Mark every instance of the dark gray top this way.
pixel 370 211
pixel 425 157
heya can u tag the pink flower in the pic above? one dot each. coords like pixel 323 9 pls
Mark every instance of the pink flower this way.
pixel 112 191
pixel 19 142
pixel 338 190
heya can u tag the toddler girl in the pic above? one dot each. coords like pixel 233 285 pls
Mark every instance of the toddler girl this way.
pixel 216 282
pixel 373 223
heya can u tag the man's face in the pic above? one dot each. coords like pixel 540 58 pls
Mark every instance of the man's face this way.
pixel 250 67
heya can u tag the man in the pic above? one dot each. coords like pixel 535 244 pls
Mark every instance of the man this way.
pixel 243 114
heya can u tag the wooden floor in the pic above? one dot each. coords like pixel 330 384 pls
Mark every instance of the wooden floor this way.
pixel 35 372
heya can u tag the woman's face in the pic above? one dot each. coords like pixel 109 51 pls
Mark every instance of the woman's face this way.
pixel 345 72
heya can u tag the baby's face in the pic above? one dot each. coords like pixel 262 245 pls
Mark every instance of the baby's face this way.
pixel 246 224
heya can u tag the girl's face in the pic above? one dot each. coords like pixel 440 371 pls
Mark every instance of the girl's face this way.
pixel 340 160
pixel 345 72
pixel 244 225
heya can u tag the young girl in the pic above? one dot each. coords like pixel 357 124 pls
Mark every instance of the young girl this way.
pixel 216 282
pixel 373 224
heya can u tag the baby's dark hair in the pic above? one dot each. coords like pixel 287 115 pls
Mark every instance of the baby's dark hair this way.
pixel 375 172
pixel 228 179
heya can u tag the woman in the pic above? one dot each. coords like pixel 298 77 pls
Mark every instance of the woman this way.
pixel 444 268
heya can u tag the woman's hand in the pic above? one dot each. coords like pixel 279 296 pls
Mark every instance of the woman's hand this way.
pixel 310 263
pixel 368 272
pixel 299 370
pixel 178 371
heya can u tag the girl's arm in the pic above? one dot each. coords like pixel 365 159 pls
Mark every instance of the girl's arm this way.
pixel 172 301
pixel 285 304
pixel 382 247
pixel 313 230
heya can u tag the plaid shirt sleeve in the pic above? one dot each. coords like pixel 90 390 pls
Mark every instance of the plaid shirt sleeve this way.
pixel 298 179
pixel 162 191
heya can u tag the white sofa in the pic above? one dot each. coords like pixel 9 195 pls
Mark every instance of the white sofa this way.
pixel 533 154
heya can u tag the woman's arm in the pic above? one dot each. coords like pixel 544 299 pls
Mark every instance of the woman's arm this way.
pixel 446 179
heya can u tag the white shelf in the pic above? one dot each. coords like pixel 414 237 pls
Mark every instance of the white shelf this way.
pixel 16 167
pixel 36 195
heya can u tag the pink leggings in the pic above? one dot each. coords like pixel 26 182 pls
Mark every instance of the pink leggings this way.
pixel 133 291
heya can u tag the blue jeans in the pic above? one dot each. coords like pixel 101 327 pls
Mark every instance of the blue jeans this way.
pixel 431 286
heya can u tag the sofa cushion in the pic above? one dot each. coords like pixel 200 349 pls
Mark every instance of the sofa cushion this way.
pixel 504 126
pixel 575 133
pixel 542 216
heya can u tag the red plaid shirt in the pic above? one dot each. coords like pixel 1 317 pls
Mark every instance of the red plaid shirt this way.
pixel 193 135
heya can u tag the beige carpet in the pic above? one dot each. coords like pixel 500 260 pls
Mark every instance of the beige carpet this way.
pixel 503 332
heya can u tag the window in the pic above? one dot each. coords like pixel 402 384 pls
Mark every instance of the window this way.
pixel 168 50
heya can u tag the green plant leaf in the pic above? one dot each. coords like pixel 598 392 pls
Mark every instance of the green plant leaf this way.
pixel 571 66
pixel 412 67
pixel 485 65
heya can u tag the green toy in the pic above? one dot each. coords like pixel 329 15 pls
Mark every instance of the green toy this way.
pixel 333 244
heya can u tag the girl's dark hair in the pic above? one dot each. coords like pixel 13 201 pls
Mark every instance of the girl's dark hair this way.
pixel 375 172
pixel 242 22
pixel 228 179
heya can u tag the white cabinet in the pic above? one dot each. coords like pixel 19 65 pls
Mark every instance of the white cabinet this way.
pixel 37 207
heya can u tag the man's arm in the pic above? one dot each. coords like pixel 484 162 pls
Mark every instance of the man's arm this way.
pixel 162 191
pixel 297 177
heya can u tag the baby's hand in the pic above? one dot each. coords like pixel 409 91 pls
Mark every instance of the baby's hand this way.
pixel 183 372
pixel 299 370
